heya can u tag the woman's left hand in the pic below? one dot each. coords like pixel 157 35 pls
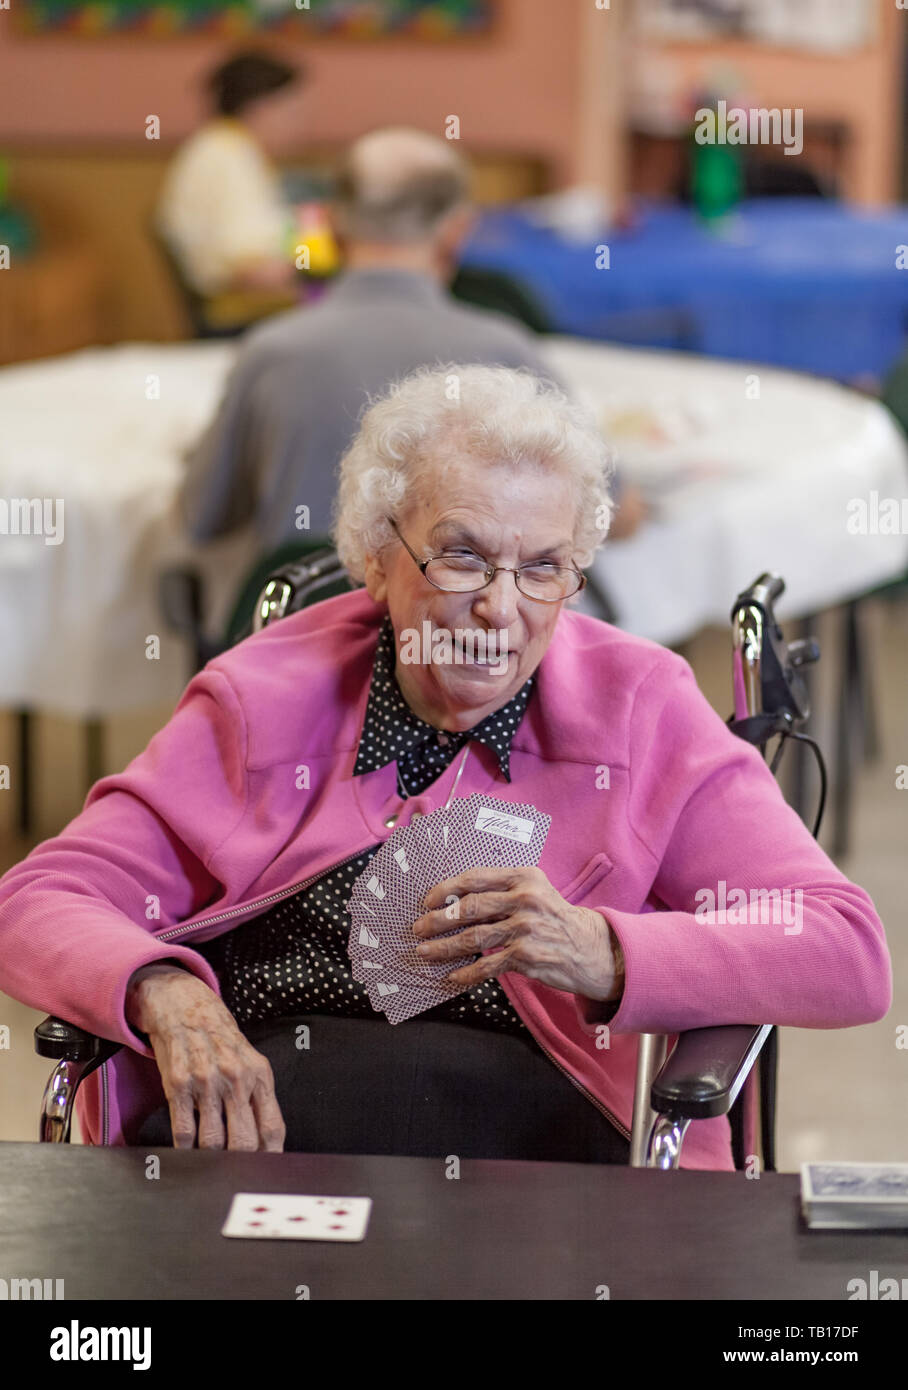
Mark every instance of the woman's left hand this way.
pixel 535 931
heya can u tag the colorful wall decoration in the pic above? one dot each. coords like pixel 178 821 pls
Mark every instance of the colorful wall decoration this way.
pixel 235 19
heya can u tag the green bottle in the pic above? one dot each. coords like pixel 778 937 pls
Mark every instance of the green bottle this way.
pixel 717 178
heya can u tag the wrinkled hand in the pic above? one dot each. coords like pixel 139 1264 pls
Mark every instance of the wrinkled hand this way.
pixel 205 1063
pixel 529 928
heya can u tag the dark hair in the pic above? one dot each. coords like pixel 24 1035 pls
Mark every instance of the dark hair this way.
pixel 246 77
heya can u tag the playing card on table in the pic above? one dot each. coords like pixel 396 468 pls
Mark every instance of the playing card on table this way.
pixel 283 1216
pixel 849 1182
pixel 837 1196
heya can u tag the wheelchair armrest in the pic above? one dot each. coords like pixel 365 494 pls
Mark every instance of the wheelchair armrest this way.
pixel 707 1069
pixel 77 1054
pixel 63 1041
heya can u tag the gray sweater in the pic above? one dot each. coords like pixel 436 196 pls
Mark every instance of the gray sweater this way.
pixel 298 387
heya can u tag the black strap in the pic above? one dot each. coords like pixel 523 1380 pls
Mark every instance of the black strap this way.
pixel 756 728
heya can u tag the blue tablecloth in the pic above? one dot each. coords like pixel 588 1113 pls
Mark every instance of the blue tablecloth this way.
pixel 797 282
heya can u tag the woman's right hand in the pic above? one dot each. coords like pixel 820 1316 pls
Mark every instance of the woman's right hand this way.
pixel 205 1063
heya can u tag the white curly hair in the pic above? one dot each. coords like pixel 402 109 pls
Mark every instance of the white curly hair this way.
pixel 496 415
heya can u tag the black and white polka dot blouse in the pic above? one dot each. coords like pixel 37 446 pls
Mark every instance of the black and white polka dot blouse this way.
pixel 293 958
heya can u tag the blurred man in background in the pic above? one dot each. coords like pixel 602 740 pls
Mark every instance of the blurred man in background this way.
pixel 400 215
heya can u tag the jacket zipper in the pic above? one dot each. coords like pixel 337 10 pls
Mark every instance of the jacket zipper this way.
pixel 260 902
pixel 105 1101
pixel 584 1091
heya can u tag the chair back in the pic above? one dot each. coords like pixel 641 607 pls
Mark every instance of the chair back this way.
pixel 291 578
pixel 194 305
pixel 297 572
pixel 493 289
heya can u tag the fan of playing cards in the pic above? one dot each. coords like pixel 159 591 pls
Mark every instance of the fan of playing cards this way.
pixel 471 833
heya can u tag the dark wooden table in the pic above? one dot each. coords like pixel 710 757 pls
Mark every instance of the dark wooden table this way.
pixel 91 1217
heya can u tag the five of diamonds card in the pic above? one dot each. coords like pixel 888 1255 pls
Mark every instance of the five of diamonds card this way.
pixel 285 1216
pixel 471 833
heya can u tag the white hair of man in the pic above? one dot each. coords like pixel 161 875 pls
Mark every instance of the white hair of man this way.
pixel 397 185
pixel 495 416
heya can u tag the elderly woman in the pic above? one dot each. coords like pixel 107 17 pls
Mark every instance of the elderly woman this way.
pixel 195 909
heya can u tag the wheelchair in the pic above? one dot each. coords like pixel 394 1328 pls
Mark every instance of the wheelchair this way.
pixel 710 1071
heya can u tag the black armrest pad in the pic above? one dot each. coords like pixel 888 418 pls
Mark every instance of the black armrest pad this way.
pixel 56 1038
pixel 706 1071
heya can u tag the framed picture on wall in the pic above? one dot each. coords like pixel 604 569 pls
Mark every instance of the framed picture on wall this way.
pixel 234 19
pixel 821 25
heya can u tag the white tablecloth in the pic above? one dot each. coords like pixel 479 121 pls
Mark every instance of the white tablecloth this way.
pixel 740 485
pixel 88 427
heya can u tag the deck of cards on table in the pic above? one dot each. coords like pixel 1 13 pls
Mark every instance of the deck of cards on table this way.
pixel 854 1196
pixel 470 833
pixel 285 1216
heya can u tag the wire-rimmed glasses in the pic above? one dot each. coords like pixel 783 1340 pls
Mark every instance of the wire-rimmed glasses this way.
pixel 461 571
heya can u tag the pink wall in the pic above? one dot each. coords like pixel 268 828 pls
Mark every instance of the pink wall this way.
pixel 515 91
pixel 525 89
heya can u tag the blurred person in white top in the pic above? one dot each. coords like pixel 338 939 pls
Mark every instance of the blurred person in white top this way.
pixel 221 211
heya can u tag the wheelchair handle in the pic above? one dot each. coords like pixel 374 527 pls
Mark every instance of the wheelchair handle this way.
pixel 766 684
pixel 280 594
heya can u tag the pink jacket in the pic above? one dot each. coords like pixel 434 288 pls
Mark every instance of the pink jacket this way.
pixel 654 806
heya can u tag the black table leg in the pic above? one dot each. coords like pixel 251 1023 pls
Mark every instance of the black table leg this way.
pixel 768 1063
pixel 25 731
pixel 803 761
pixel 864 686
pixel 94 750
pixel 849 708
